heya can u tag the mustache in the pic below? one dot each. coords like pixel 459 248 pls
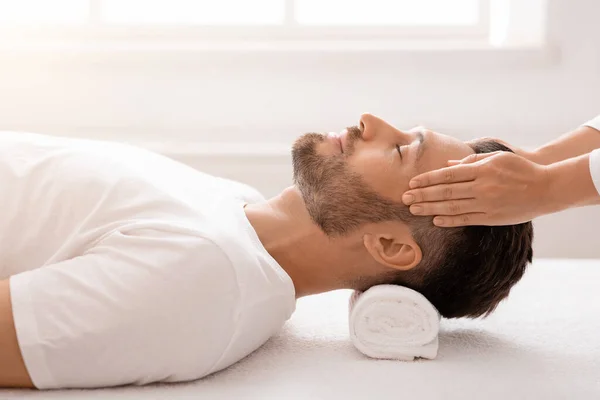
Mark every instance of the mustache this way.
pixel 354 132
pixel 353 136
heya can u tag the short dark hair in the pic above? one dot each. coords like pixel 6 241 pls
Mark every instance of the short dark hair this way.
pixel 468 271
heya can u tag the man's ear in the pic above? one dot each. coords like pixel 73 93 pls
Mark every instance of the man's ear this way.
pixel 399 252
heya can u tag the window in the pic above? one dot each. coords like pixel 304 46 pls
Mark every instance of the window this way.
pixel 246 19
pixel 279 24
pixel 28 12
pixel 243 12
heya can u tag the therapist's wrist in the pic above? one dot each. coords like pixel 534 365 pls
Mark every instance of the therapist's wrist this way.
pixel 541 156
pixel 569 184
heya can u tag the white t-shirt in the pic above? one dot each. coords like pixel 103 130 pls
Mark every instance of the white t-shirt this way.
pixel 595 155
pixel 127 267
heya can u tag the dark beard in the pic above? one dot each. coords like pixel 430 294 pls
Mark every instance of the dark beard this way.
pixel 337 199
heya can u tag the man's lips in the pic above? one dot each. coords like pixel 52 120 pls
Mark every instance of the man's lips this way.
pixel 339 139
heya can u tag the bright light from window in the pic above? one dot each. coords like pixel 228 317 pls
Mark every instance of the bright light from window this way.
pixel 43 11
pixel 387 12
pixel 198 12
pixel 244 12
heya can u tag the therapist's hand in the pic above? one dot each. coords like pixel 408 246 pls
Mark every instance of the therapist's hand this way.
pixel 499 188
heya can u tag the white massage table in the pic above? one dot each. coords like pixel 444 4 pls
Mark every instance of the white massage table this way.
pixel 543 343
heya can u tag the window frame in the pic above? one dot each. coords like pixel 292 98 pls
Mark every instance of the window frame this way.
pixel 97 31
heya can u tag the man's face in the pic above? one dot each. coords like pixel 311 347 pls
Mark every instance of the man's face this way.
pixel 343 177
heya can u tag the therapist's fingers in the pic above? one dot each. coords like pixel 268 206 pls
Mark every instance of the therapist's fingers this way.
pixel 460 220
pixel 458 173
pixel 445 208
pixel 453 191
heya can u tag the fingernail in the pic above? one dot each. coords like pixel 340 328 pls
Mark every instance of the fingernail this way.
pixel 416 209
pixel 438 221
pixel 408 199
pixel 414 184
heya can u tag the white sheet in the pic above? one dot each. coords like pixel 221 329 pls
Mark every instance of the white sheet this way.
pixel 543 343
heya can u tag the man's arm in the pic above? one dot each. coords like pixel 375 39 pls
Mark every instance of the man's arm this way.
pixel 12 367
pixel 573 144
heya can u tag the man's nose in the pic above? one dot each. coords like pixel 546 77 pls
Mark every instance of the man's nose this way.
pixel 368 126
pixel 373 127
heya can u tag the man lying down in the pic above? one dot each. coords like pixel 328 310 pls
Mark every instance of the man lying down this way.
pixel 120 266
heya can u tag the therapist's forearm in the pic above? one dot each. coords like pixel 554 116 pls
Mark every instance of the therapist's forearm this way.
pixel 573 144
pixel 570 185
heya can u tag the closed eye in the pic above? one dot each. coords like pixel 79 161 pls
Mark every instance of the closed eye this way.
pixel 399 151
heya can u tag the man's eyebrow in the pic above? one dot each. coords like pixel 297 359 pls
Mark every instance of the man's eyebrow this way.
pixel 421 148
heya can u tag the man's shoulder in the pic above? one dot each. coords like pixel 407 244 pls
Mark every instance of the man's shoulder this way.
pixel 243 191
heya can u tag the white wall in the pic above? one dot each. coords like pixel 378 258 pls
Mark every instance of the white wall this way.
pixel 268 99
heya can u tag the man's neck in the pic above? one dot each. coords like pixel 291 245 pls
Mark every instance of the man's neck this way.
pixel 312 259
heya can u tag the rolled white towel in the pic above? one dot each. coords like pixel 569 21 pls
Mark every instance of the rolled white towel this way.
pixel 393 322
